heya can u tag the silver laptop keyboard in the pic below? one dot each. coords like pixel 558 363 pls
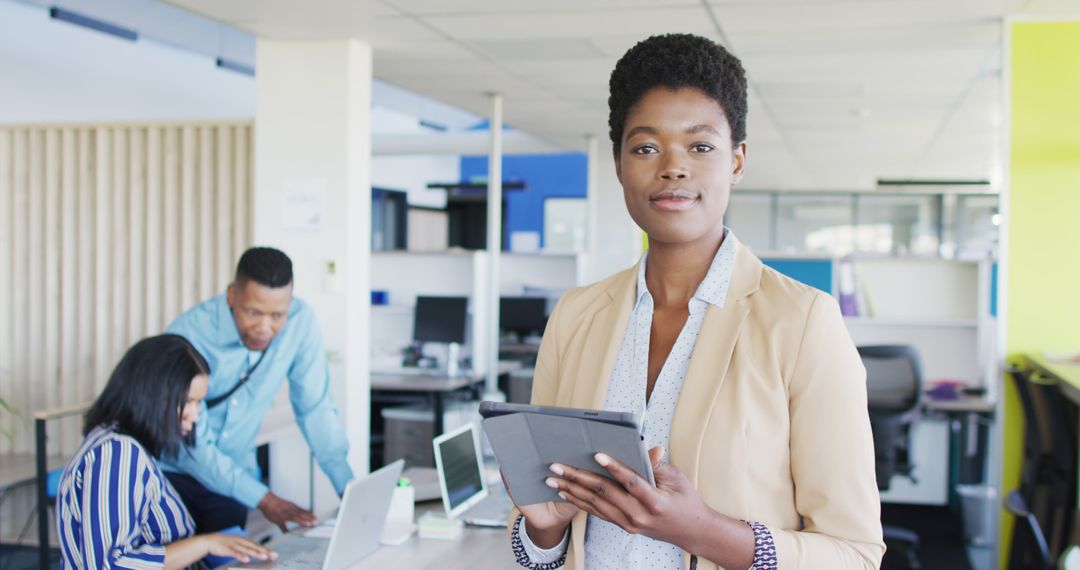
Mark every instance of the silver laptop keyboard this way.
pixel 300 553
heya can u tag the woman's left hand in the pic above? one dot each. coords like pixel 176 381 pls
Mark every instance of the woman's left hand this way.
pixel 672 511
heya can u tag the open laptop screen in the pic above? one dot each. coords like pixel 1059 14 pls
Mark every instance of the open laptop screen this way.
pixel 459 469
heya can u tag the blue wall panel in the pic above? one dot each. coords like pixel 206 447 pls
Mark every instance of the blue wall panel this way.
pixel 545 176
pixel 814 272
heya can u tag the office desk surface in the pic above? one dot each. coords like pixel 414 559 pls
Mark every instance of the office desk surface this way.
pixel 1068 375
pixel 433 381
pixel 476 548
pixel 420 383
pixel 487 548
pixel 963 404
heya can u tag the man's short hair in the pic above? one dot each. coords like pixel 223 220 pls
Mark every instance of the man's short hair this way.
pixel 675 61
pixel 266 266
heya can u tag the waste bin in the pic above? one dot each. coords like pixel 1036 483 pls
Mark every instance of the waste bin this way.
pixel 978 504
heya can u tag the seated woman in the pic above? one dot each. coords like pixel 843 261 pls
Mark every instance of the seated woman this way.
pixel 749 378
pixel 115 508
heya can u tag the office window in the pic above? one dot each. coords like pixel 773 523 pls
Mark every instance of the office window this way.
pixel 750 216
pixel 898 224
pixel 815 223
pixel 978 224
pixel 565 225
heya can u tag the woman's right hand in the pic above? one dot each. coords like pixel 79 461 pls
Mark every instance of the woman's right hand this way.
pixel 545 522
pixel 237 547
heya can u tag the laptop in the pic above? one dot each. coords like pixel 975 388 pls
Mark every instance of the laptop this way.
pixel 355 534
pixel 460 470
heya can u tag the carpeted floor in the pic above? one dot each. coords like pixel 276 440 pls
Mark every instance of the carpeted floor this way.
pixel 24 557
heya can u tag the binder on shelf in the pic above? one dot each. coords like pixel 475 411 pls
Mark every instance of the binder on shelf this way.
pixel 847 288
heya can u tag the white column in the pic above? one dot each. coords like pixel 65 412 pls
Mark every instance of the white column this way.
pixel 586 272
pixel 494 242
pixel 614 239
pixel 313 200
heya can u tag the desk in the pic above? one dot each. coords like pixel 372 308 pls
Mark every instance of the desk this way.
pixel 487 548
pixel 962 405
pixel 1067 375
pixel 436 386
pixel 969 418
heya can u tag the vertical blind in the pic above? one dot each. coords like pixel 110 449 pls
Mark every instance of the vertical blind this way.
pixel 106 234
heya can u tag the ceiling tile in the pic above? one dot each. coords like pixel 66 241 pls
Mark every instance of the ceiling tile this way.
pixel 591 24
pixel 458 7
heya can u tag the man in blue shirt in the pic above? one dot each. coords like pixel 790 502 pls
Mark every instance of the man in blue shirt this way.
pixel 254 337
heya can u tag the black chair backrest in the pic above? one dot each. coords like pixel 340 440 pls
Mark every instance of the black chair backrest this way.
pixel 894 389
pixel 893 377
pixel 1036 443
pixel 1029 548
pixel 1058 419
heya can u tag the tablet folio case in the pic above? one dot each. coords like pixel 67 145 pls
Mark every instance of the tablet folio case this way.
pixel 527 444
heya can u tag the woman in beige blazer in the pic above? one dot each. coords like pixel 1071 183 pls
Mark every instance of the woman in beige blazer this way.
pixel 771 460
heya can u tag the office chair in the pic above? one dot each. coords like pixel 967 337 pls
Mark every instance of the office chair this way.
pixel 1033 552
pixel 894 389
pixel 1061 420
pixel 1048 473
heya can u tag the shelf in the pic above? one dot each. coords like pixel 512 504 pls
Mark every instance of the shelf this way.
pixel 898 322
pixel 404 310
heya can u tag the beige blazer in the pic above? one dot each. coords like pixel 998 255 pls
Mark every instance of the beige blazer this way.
pixel 772 421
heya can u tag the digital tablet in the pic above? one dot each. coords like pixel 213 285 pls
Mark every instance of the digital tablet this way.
pixel 528 439
pixel 492 409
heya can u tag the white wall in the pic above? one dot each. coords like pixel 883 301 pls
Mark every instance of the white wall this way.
pixel 617 243
pixel 413 173
pixel 313 132
pixel 57 72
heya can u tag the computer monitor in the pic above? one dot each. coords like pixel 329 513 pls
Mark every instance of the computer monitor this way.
pixel 440 319
pixel 522 315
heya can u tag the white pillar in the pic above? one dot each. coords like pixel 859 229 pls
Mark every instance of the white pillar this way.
pixel 313 200
pixel 586 271
pixel 614 238
pixel 494 242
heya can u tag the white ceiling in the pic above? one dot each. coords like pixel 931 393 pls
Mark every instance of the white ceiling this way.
pixel 843 92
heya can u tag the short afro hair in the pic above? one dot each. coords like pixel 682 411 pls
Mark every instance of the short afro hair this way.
pixel 266 266
pixel 675 61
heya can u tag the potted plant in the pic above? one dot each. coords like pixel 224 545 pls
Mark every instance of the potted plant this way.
pixel 4 407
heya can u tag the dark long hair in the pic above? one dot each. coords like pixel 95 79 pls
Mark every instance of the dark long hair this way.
pixel 146 392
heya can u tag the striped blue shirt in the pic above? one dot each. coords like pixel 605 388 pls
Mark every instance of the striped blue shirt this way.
pixel 115 508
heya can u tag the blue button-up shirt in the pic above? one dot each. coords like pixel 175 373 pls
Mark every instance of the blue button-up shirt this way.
pixel 223 458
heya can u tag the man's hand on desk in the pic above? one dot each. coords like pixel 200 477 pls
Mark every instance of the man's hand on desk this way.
pixel 279 511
